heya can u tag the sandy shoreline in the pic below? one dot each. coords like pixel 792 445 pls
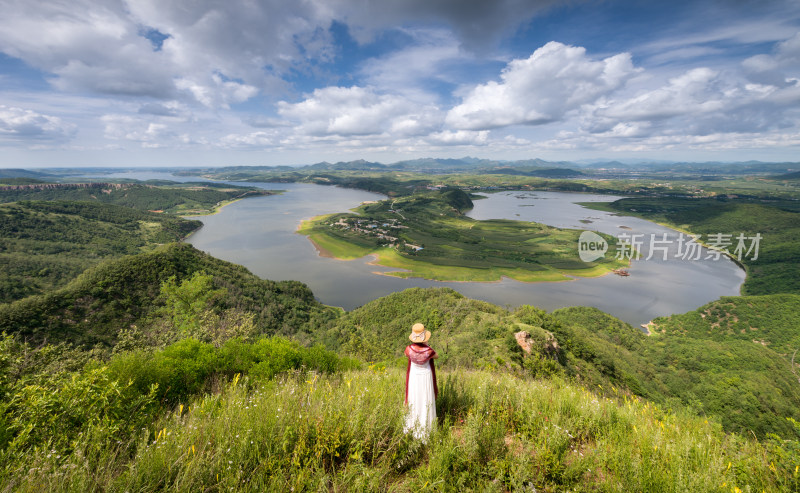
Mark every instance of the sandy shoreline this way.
pixel 321 251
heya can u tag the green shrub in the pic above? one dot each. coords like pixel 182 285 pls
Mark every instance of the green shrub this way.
pixel 190 367
pixel 52 414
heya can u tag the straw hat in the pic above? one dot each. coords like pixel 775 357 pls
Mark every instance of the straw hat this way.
pixel 419 334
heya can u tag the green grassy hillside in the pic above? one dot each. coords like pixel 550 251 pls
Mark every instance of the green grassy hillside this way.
pixel 344 433
pixel 163 368
pixel 748 386
pixel 125 293
pixel 44 245
pixel 468 333
pixel 745 381
pixel 771 321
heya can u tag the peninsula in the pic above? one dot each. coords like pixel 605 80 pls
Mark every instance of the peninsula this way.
pixel 427 235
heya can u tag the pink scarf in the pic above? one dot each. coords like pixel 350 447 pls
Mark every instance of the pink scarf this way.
pixel 420 353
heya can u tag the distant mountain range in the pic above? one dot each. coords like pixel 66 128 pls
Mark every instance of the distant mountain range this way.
pixel 540 167
pixel 530 167
pixel 526 167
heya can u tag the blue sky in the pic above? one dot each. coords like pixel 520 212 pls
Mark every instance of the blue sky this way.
pixel 252 82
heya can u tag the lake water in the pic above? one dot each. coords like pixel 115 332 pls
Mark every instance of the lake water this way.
pixel 259 233
pixel 655 286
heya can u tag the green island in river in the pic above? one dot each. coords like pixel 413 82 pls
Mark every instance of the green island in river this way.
pixel 427 235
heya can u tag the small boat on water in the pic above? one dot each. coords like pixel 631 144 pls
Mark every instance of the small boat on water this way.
pixel 621 272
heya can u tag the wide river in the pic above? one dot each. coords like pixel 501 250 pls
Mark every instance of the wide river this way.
pixel 259 233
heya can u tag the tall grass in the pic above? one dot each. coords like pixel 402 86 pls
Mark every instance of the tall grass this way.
pixel 344 432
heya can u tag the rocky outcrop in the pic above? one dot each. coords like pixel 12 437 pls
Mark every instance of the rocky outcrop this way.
pixel 524 341
pixel 543 341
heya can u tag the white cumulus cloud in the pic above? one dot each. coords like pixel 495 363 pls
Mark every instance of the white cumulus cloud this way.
pixel 541 89
pixel 217 53
pixel 699 102
pixel 353 111
pixel 84 45
pixel 459 137
pixel 23 126
pixel 166 132
pixel 691 92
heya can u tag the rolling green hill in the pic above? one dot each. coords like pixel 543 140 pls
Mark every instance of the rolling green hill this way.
pixel 468 333
pixel 688 361
pixel 173 198
pixel 771 321
pixel 44 245
pixel 119 294
pixel 748 386
pixel 7 173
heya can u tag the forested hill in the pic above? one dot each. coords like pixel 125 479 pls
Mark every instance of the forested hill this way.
pixel 749 386
pixel 126 294
pixel 44 245
pixel 169 197
pixel 767 320
pixel 701 360
pixel 51 232
pixel 17 173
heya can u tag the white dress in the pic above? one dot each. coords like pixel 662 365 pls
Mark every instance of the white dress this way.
pixel 421 417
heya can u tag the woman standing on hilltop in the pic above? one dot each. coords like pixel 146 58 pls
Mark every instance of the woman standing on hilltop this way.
pixel 421 389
